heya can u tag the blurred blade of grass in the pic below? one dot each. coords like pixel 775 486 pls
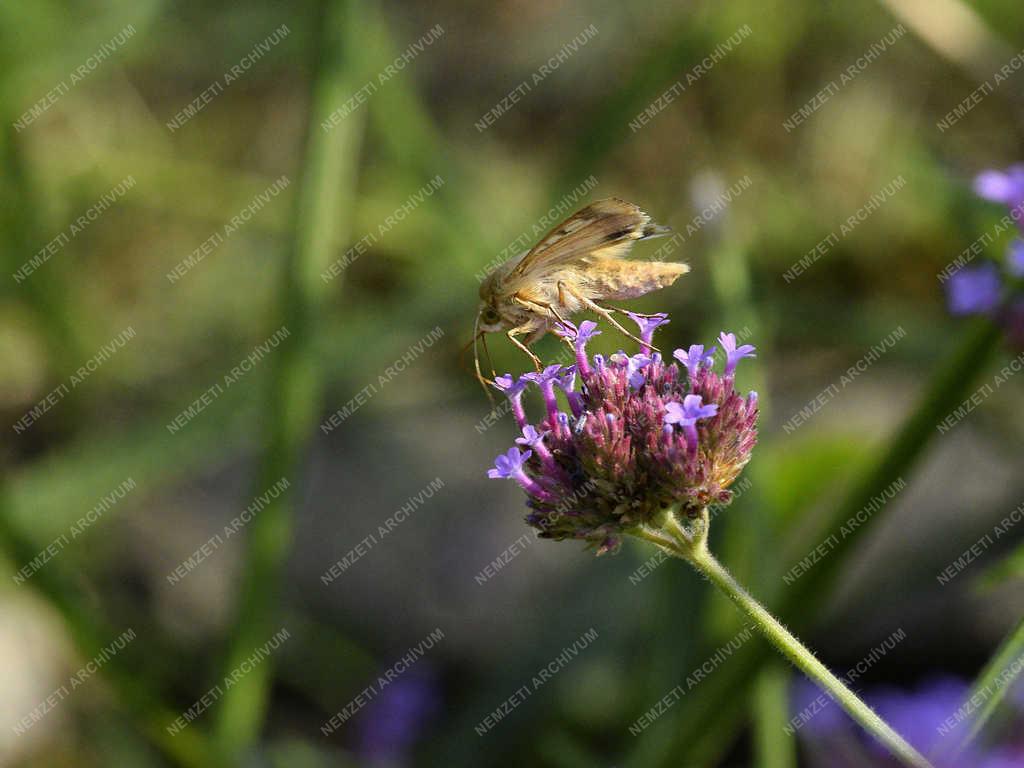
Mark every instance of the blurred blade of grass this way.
pixel 1009 568
pixel 957 32
pixel 774 747
pixel 91 635
pixel 46 292
pixel 401 121
pixel 995 680
pixel 702 725
pixel 322 217
pixel 606 127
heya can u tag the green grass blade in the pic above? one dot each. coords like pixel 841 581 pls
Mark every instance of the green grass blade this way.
pixel 322 219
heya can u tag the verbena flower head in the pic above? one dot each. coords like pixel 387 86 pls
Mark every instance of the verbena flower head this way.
pixel 640 436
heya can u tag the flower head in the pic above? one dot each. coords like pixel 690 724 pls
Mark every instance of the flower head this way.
pixel 974 290
pixel 734 354
pixel 642 437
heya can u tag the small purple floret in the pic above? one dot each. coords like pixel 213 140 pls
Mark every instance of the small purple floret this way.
pixel 734 354
pixel 694 358
pixel 545 380
pixel 686 414
pixel 648 324
pixel 513 389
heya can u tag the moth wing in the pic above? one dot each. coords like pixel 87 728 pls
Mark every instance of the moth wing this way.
pixel 602 230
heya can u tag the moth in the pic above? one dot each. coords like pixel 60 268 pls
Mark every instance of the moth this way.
pixel 579 265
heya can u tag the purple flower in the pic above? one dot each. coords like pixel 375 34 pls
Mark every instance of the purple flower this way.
pixel 581 335
pixel 509 466
pixel 567 383
pixel 648 324
pixel 1015 258
pixel 531 437
pixel 686 414
pixel 974 290
pixel 513 389
pixel 733 354
pixel 620 459
pixel 921 716
pixel 535 441
pixel 397 719
pixel 633 365
pixel 545 380
pixel 694 358
pixel 1005 187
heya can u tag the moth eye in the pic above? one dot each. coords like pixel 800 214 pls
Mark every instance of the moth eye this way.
pixel 491 316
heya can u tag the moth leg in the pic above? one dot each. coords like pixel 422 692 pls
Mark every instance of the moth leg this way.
pixel 512 337
pixel 543 305
pixel 638 314
pixel 603 312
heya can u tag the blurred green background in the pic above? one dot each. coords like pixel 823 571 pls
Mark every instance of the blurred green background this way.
pixel 183 181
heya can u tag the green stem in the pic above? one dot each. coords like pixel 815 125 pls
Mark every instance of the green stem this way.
pixel 992 682
pixel 693 548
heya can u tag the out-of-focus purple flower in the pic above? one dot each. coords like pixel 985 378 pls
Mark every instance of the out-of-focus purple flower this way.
pixel 814 714
pixel 974 290
pixel 397 718
pixel 513 389
pixel 930 718
pixel 734 354
pixel 616 463
pixel 917 715
pixel 648 324
pixel 1005 187
pixel 1015 258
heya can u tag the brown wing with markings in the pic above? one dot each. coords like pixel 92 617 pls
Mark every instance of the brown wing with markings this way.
pixel 605 229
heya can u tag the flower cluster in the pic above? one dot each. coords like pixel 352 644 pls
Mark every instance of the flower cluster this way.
pixel 982 289
pixel 640 436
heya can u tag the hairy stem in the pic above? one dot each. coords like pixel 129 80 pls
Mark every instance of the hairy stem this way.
pixel 693 548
